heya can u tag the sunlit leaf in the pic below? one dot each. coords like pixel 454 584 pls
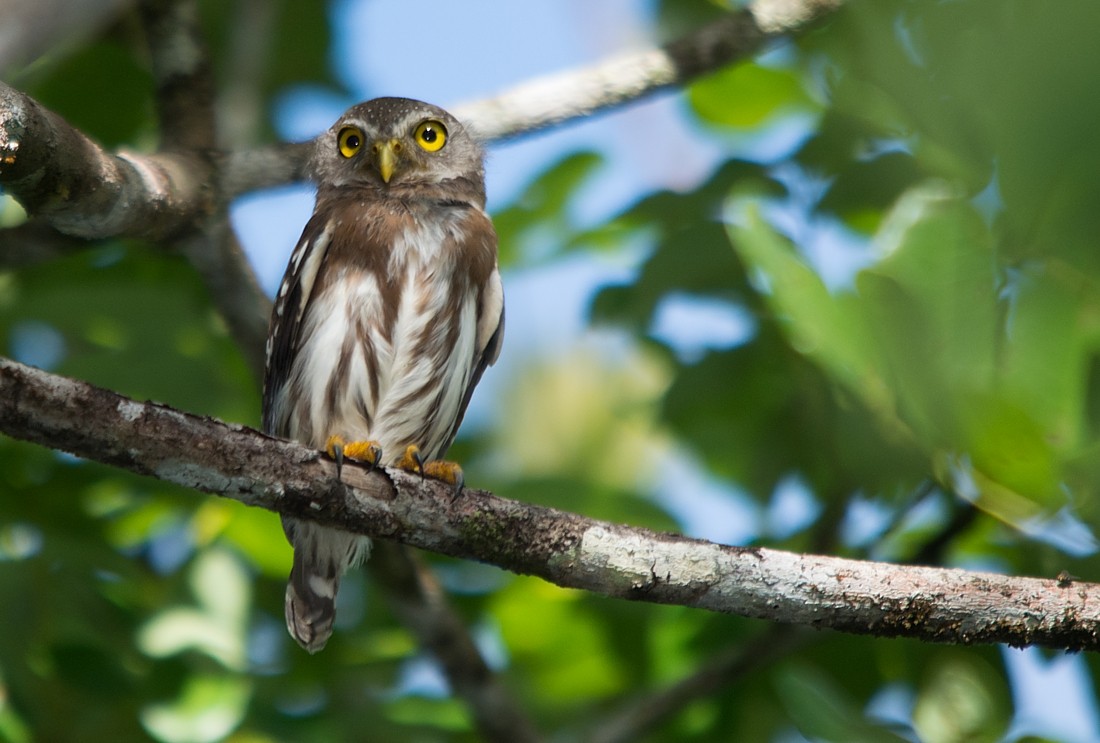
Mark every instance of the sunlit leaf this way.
pixel 217 626
pixel 828 328
pixel 208 709
pixel 746 95
pixel 564 652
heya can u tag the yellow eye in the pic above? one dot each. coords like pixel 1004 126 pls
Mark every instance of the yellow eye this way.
pixel 431 135
pixel 350 140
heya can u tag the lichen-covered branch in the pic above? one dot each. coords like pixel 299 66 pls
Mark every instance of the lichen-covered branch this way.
pixel 931 604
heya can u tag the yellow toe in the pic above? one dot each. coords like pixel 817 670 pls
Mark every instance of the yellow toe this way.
pixel 334 446
pixel 437 469
pixel 364 451
pixel 448 472
pixel 411 461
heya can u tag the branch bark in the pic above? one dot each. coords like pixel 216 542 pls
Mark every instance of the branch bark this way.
pixel 883 600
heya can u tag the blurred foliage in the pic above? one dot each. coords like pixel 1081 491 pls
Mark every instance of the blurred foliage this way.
pixel 938 400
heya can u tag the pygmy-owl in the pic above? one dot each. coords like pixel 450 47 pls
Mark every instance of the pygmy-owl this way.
pixel 390 309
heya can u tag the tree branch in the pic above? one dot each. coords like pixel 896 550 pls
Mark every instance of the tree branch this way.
pixel 59 174
pixel 554 99
pixel 929 604
pixel 575 94
pixel 186 113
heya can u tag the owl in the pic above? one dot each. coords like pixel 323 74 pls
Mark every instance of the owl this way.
pixel 389 312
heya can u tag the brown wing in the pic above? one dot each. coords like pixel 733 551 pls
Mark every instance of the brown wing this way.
pixel 286 316
pixel 490 336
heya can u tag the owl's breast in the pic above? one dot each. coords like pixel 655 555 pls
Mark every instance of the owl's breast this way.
pixel 386 354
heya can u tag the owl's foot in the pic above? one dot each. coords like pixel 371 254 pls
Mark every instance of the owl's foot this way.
pixel 369 452
pixel 437 469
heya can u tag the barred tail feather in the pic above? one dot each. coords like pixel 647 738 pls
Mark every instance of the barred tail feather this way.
pixel 321 555
pixel 310 606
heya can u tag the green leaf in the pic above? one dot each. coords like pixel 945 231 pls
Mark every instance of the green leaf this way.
pixel 831 329
pixel 563 650
pixel 745 95
pixel 103 89
pixel 138 322
pixel 542 209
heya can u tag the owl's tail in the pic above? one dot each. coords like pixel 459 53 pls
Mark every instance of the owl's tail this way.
pixel 321 555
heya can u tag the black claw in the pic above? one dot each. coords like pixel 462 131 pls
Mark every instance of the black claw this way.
pixel 338 457
pixel 460 484
pixel 376 456
pixel 419 462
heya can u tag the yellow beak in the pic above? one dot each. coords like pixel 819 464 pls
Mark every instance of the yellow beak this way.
pixel 386 155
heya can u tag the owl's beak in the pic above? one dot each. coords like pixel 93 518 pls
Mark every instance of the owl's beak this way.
pixel 386 155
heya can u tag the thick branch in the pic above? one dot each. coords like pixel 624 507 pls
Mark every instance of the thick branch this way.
pixel 58 173
pixel 931 604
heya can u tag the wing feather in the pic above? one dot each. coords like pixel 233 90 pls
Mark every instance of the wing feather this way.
pixel 490 337
pixel 286 318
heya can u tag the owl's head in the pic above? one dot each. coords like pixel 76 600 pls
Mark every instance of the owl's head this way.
pixel 392 142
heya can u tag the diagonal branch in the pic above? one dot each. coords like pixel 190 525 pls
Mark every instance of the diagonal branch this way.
pixel 554 99
pixel 576 94
pixel 930 604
